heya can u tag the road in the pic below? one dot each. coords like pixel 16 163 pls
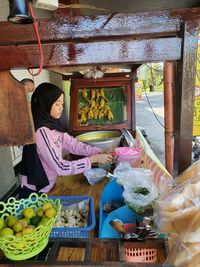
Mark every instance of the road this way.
pixel 145 118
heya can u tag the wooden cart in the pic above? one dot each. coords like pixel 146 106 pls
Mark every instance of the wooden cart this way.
pixel 92 251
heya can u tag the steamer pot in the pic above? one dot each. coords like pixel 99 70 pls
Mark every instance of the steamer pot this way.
pixel 101 139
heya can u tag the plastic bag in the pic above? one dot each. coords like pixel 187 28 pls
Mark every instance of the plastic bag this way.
pixel 139 192
pixel 185 251
pixel 174 211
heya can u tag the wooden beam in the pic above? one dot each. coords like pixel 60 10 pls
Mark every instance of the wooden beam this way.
pixel 60 29
pixel 184 98
pixel 27 56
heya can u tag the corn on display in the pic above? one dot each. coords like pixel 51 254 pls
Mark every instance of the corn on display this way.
pixel 96 107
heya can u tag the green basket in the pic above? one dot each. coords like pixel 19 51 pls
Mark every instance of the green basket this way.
pixel 21 248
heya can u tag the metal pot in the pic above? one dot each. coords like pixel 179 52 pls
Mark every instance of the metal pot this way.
pixel 101 139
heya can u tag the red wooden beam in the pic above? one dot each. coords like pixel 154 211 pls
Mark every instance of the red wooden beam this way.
pixel 91 53
pixel 61 29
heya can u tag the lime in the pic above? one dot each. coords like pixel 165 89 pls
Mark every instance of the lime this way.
pixel 28 213
pixel 17 227
pixel 47 206
pixel 28 230
pixel 50 213
pixel 40 213
pixel 25 221
pixel 6 231
pixel 19 234
pixel 2 223
pixel 11 220
pixel 35 220
pixel 22 223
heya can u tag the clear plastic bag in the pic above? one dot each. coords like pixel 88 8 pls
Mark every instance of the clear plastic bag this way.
pixel 174 211
pixel 185 251
pixel 139 192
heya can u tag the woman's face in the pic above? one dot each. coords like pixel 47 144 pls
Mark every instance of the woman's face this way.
pixel 57 107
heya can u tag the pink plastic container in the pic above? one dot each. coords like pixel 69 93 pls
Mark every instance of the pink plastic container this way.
pixel 129 154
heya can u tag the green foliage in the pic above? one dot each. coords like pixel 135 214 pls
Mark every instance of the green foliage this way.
pixel 154 77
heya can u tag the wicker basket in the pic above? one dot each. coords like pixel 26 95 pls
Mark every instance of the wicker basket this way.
pixel 20 248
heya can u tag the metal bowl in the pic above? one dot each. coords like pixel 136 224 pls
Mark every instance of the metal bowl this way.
pixel 101 139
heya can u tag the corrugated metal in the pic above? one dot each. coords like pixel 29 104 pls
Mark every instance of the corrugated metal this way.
pixel 7 175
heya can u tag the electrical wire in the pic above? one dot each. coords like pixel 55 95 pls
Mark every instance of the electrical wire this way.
pixel 39 43
pixel 152 108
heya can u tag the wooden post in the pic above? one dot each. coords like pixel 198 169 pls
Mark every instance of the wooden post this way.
pixel 184 97
pixel 169 115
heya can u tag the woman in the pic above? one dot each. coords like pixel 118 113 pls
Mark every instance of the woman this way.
pixel 43 161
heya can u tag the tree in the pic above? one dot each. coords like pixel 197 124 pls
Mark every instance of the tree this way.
pixel 152 76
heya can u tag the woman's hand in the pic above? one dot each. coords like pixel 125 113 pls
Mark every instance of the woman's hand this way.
pixel 104 151
pixel 101 158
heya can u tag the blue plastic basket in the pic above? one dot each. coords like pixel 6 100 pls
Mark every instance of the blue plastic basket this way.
pixel 81 232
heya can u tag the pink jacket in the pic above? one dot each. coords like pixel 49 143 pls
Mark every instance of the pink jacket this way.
pixel 50 147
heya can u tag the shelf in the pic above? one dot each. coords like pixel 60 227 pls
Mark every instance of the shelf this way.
pixel 89 252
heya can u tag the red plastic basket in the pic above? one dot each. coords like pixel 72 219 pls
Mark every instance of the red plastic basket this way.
pixel 136 254
pixel 140 254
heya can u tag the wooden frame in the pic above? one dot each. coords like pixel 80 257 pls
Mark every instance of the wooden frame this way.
pixel 77 84
pixel 168 35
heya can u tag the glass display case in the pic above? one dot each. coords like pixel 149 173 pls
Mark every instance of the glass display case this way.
pixel 105 103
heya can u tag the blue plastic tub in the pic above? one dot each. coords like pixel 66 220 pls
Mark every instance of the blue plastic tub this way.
pixel 113 192
pixel 81 232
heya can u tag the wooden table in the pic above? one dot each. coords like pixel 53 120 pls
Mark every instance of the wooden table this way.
pixel 74 186
pixel 100 250
pixel 77 185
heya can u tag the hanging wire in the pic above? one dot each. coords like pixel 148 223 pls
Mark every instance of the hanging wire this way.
pixel 152 107
pixel 39 43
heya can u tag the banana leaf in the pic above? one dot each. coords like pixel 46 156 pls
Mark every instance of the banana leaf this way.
pixel 115 99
